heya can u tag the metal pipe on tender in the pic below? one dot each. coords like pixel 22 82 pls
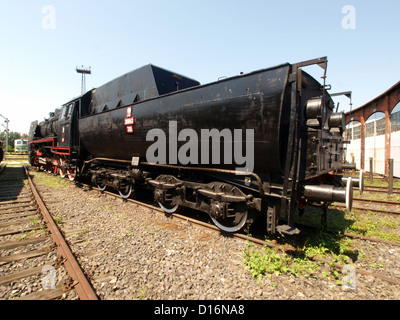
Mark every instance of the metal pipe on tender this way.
pixel 326 193
pixel 329 193
pixel 357 182
pixel 348 166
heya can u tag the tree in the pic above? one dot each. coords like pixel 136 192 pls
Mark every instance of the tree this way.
pixel 12 136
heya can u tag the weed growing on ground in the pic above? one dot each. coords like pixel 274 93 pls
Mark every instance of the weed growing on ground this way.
pixel 51 181
pixel 268 261
pixel 383 227
pixel 374 225
pixel 58 219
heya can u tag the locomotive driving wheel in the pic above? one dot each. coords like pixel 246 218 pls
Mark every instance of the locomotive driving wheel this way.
pixel 63 172
pixel 71 174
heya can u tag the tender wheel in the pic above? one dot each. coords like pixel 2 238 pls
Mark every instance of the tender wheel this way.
pixel 126 192
pixel 166 206
pixel 229 226
pixel 101 187
pixel 169 208
pixel 231 223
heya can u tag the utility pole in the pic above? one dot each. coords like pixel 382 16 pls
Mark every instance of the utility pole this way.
pixel 6 126
pixel 84 71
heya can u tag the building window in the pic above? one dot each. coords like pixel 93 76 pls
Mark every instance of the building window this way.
pixel 370 129
pixel 395 121
pixel 356 132
pixel 380 126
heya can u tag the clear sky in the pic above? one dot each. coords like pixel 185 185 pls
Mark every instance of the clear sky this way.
pixel 42 42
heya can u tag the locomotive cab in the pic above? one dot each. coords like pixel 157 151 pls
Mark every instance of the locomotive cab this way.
pixel 54 142
pixel 67 125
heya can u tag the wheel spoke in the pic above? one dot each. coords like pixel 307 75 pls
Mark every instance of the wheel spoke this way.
pixel 62 172
pixel 71 174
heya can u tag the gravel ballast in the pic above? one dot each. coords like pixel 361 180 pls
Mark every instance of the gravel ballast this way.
pixel 131 252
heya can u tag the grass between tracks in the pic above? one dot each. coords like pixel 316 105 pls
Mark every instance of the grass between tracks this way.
pixel 380 182
pixel 297 261
pixel 367 224
pixel 377 196
pixel 49 180
pixel 331 246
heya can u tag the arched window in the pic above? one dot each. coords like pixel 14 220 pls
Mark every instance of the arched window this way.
pixel 375 125
pixel 395 118
pixel 353 130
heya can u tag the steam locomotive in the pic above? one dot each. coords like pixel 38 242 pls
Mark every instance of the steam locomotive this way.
pixel 265 143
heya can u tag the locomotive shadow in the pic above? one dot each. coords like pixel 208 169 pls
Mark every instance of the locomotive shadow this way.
pixel 338 221
pixel 313 236
pixel 12 182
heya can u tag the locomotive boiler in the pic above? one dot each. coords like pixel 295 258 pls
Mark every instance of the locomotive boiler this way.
pixel 262 143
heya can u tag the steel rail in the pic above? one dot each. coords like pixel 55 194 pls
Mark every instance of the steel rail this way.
pixel 368 209
pixel 256 241
pixel 380 189
pixel 396 203
pixel 262 242
pixel 81 284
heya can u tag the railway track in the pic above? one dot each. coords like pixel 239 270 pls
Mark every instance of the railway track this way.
pixel 373 205
pixel 259 240
pixel 241 235
pixel 381 189
pixel 35 261
pixel 385 202
pixel 384 206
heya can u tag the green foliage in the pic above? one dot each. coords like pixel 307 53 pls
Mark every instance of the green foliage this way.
pixel 12 136
pixel 323 245
pixel 51 181
pixel 267 261
pixel 377 196
pixel 376 226
pixel 58 219
pixel 380 182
